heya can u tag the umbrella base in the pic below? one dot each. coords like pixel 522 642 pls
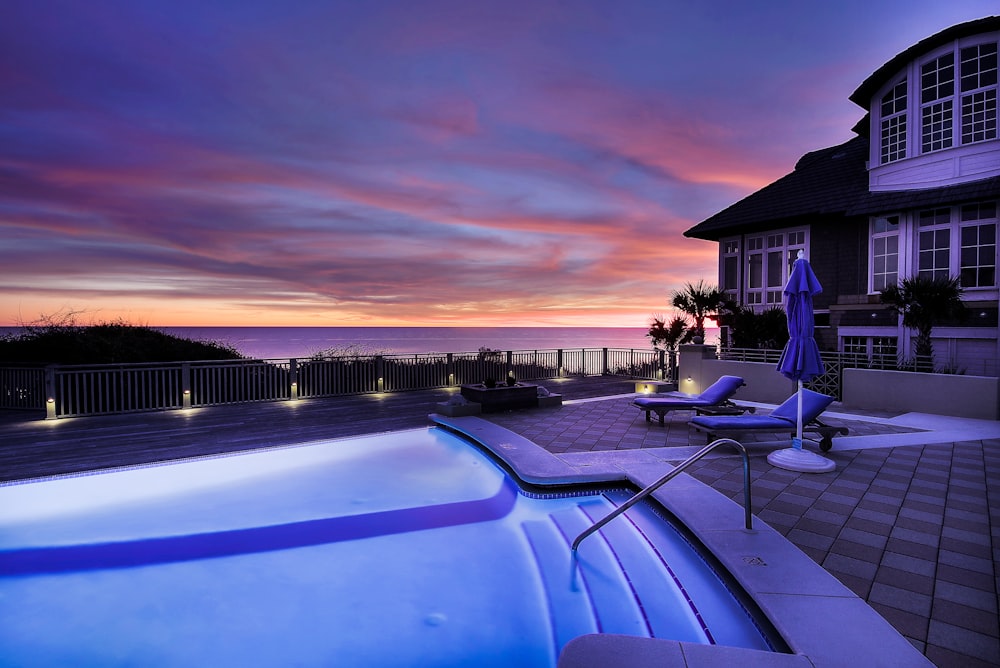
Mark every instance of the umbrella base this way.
pixel 803 461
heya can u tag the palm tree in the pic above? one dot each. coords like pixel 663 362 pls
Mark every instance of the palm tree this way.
pixel 699 301
pixel 666 336
pixel 924 302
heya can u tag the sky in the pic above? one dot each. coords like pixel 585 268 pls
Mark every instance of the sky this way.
pixel 405 163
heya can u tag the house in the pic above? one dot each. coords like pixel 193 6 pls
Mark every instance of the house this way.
pixel 916 191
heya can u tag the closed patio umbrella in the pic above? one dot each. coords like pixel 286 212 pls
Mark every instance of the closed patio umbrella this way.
pixel 800 360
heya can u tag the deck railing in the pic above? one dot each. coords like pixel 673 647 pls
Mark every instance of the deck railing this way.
pixel 831 382
pixel 72 391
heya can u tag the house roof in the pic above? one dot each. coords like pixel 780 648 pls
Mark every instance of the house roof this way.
pixel 828 181
pixel 863 95
pixel 901 200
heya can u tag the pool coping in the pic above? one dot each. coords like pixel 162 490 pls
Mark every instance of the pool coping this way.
pixel 824 623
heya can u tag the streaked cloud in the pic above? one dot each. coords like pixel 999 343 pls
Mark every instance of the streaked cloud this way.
pixel 326 163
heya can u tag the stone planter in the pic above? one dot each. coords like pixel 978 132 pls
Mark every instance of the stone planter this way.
pixel 502 397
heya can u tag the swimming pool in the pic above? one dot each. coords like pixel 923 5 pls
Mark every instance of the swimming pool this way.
pixel 409 548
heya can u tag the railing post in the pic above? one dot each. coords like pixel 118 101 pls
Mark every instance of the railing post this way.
pixel 293 379
pixel 559 363
pixel 450 369
pixel 50 392
pixel 380 373
pixel 604 362
pixel 185 385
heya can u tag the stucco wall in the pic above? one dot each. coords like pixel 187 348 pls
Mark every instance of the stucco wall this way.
pixel 939 394
pixel 898 391
pixel 763 382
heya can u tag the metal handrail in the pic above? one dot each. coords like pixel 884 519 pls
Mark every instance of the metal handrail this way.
pixel 748 517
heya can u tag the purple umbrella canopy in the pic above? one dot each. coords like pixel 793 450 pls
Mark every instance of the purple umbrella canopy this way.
pixel 800 360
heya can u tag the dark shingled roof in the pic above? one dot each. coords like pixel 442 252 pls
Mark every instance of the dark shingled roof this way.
pixel 829 181
pixel 863 95
pixel 901 200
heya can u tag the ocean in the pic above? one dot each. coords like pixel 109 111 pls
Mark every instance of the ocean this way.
pixel 286 342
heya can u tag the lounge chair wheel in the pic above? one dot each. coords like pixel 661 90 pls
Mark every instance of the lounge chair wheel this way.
pixel 826 443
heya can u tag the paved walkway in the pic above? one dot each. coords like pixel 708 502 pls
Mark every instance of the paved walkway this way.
pixel 909 520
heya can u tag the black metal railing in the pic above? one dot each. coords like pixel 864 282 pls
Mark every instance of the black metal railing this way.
pixel 78 390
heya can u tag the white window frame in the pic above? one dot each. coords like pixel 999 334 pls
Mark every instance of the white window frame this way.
pixel 729 249
pixel 984 220
pixel 893 135
pixel 937 102
pixel 785 244
pixel 977 103
pixel 906 125
pixel 880 232
pixel 953 225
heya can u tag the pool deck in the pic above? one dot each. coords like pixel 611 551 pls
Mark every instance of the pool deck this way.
pixel 909 520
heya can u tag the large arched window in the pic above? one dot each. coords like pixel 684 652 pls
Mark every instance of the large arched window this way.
pixel 954 102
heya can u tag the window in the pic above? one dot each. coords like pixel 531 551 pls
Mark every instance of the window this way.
pixel 769 261
pixel 775 267
pixel 755 270
pixel 885 347
pixel 937 86
pixel 855 345
pixel 893 128
pixel 874 351
pixel 979 93
pixel 885 252
pixel 978 252
pixel 731 267
pixel 952 101
pixel 958 241
pixel 934 243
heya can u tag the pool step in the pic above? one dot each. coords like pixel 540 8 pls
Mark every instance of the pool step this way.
pixel 621 584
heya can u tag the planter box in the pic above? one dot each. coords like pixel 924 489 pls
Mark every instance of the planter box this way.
pixel 502 397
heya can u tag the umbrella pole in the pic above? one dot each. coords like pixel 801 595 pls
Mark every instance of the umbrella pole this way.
pixel 797 442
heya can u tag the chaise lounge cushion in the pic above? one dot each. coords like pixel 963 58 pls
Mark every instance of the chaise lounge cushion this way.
pixel 718 392
pixel 781 418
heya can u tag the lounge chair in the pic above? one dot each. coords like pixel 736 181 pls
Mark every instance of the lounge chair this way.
pixel 782 418
pixel 717 395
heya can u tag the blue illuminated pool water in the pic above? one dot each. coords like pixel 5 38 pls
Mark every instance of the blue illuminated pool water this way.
pixel 410 548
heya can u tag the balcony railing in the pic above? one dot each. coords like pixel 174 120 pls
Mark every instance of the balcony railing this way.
pixel 79 390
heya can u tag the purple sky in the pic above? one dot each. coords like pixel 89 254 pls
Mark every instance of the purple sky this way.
pixel 239 162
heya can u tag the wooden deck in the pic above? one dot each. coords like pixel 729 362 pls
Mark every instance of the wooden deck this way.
pixel 31 446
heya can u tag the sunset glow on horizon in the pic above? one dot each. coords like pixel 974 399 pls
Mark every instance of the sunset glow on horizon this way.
pixel 439 163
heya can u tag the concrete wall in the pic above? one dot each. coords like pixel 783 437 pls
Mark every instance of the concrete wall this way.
pixel 902 391
pixel 698 368
pixel 940 394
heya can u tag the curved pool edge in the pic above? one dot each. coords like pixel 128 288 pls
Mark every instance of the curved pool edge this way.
pixel 822 621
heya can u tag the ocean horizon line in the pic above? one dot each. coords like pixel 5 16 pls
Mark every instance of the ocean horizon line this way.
pixel 280 342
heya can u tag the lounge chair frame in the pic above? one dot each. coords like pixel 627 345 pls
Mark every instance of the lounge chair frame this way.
pixel 772 424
